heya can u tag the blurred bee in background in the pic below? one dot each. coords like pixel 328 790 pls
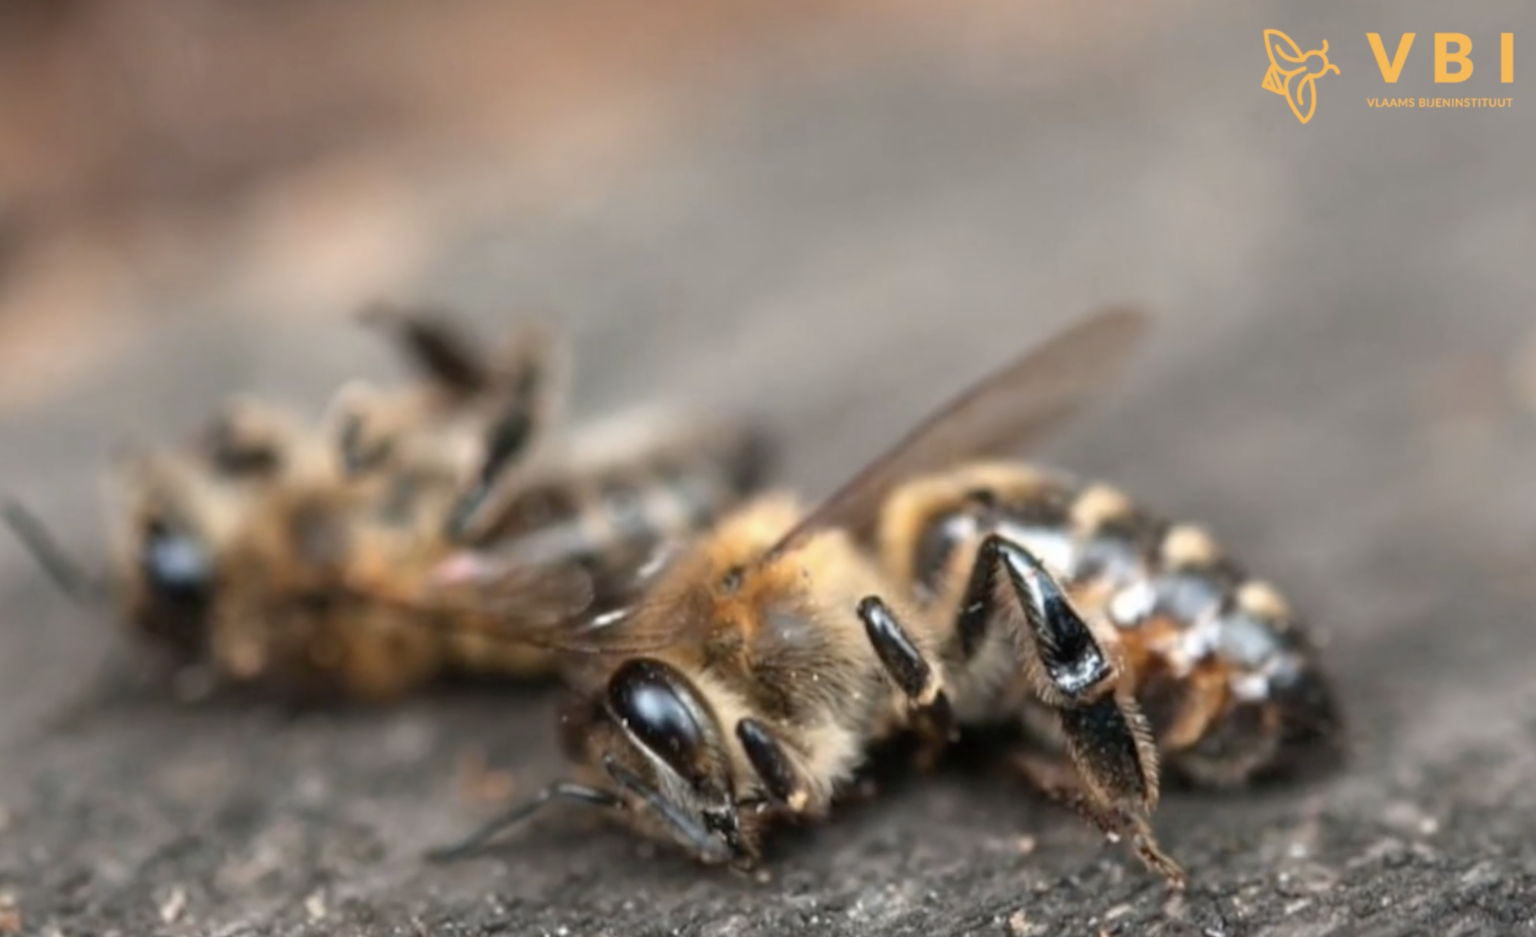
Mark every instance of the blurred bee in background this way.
pixel 301 560
pixel 939 589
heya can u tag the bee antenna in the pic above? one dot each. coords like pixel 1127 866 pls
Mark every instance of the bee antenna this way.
pixel 71 578
pixel 560 790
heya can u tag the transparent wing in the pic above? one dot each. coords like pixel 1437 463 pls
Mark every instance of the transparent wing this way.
pixel 1003 414
pixel 562 607
pixel 558 606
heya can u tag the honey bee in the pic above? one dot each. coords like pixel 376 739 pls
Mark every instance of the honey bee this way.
pixel 283 557
pixel 941 588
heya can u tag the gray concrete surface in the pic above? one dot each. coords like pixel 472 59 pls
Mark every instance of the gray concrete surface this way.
pixel 1343 385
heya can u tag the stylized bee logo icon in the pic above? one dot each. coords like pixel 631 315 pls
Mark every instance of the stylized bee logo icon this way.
pixel 1295 81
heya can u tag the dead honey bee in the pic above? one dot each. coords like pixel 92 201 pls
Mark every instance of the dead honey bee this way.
pixel 284 557
pixel 939 589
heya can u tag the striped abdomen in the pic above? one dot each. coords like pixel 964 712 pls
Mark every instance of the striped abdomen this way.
pixel 1219 662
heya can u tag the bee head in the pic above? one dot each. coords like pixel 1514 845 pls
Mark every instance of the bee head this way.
pixel 177 573
pixel 666 735
pixel 167 579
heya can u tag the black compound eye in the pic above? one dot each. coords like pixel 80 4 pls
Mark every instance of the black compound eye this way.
pixel 176 565
pixel 654 703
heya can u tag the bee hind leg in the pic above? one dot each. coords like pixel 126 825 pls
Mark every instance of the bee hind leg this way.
pixel 1062 782
pixel 1107 738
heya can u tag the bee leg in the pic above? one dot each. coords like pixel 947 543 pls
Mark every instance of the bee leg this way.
pixel 248 439
pixel 914 675
pixel 523 405
pixel 1059 781
pixel 433 345
pixel 365 425
pixel 1106 736
pixel 505 440
pixel 560 790
pixel 1063 783
pixel 772 763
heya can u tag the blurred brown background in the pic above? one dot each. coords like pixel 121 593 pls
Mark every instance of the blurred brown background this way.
pixel 303 157
pixel 833 213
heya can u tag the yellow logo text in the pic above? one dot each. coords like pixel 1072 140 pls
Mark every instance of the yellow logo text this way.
pixel 1451 49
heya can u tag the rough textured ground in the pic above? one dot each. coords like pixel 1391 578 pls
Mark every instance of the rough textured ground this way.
pixel 1343 386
